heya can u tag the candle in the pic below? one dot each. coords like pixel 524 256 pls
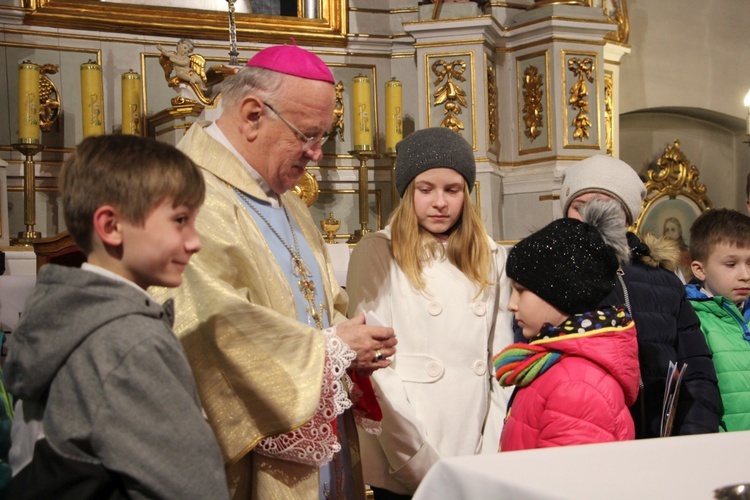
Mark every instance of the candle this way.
pixel 92 99
pixel 28 103
pixel 747 105
pixel 394 130
pixel 131 103
pixel 361 97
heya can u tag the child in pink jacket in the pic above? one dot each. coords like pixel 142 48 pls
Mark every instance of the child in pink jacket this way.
pixel 579 374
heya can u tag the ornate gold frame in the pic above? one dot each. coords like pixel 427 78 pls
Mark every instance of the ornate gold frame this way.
pixel 329 29
pixel 673 178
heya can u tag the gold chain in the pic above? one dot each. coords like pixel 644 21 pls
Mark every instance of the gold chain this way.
pixel 299 268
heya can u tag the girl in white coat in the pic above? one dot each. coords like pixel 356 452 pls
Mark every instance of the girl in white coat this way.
pixel 436 277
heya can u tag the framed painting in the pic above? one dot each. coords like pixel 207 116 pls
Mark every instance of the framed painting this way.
pixel 323 22
pixel 675 197
pixel 671 218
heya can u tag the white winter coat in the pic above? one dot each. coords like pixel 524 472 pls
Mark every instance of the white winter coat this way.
pixel 439 397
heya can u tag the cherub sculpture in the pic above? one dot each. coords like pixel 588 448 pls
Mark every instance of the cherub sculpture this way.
pixel 188 68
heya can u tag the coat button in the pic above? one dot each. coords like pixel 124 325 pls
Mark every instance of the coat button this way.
pixel 480 367
pixel 434 369
pixel 434 308
pixel 479 308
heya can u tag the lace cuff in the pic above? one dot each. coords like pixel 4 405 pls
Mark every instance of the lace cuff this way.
pixel 315 443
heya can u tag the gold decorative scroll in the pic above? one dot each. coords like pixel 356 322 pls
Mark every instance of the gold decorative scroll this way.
pixel 579 93
pixel 609 111
pixel 674 175
pixel 617 14
pixel 337 127
pixel 50 100
pixel 307 188
pixel 532 102
pixel 449 94
pixel 491 103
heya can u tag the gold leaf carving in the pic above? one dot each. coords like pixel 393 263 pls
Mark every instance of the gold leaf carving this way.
pixel 579 95
pixel 449 93
pixel 674 175
pixel 338 112
pixel 492 102
pixel 50 101
pixel 532 102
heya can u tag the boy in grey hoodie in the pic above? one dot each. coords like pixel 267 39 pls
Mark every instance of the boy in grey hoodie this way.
pixel 107 406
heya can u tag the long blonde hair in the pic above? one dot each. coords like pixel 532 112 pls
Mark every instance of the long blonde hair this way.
pixel 414 247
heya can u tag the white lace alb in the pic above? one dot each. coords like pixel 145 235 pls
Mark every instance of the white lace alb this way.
pixel 315 443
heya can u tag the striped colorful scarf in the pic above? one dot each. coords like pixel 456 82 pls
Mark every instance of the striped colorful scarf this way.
pixel 519 364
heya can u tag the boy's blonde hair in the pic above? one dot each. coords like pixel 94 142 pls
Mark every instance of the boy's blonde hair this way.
pixel 718 225
pixel 132 174
pixel 413 247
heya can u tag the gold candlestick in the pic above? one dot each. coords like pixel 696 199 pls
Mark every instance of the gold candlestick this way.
pixel 364 206
pixel 29 191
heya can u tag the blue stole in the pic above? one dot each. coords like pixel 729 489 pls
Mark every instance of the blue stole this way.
pixel 277 218
pixel 333 476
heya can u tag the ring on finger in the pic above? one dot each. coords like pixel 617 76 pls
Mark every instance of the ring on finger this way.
pixel 378 355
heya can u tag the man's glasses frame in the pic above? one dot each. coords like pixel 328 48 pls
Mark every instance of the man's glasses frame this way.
pixel 309 142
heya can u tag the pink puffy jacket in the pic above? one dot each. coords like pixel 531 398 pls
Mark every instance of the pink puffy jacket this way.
pixel 583 398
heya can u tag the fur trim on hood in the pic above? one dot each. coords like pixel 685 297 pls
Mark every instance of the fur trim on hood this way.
pixel 661 252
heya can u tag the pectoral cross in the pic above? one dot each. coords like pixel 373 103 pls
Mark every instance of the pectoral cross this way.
pixel 307 287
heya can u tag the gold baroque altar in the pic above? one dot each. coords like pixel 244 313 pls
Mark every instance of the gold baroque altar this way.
pixel 520 103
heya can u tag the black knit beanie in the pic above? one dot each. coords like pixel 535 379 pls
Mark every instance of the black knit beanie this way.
pixel 567 264
pixel 430 148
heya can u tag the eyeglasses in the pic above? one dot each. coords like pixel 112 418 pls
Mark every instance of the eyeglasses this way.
pixel 309 142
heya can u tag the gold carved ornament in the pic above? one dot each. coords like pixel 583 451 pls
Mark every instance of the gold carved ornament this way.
pixel 449 93
pixel 337 127
pixel 492 103
pixel 50 100
pixel 532 102
pixel 200 80
pixel 619 16
pixel 609 112
pixel 307 188
pixel 672 176
pixel 579 93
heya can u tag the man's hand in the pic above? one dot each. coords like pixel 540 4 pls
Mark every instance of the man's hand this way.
pixel 367 341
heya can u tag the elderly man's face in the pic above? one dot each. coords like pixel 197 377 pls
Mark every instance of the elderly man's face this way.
pixel 308 105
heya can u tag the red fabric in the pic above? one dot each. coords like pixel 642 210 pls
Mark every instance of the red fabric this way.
pixel 365 402
pixel 584 398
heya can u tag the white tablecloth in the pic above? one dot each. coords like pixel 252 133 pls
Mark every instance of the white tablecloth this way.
pixel 685 467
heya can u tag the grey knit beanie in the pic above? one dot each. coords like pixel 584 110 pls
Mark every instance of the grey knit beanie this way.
pixel 430 148
pixel 604 174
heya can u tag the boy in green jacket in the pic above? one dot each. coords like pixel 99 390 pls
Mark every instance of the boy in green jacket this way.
pixel 720 247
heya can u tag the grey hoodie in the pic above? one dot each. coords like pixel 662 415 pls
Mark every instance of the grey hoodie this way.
pixel 108 405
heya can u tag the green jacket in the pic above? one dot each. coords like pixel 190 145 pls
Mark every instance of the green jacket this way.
pixel 728 337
